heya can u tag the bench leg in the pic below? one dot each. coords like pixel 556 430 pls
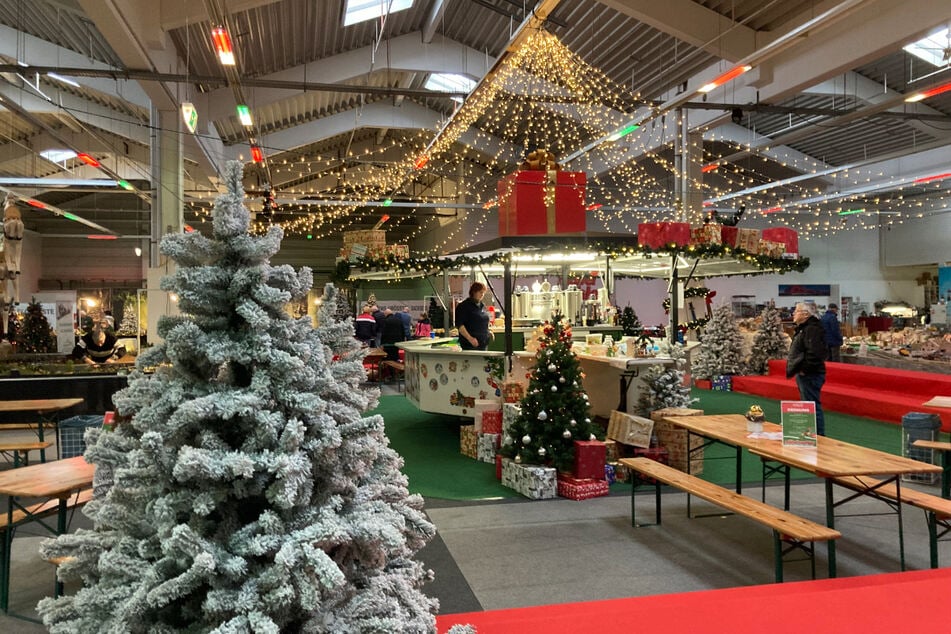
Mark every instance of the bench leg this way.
pixel 778 556
pixel 830 522
pixel 656 502
pixel 933 537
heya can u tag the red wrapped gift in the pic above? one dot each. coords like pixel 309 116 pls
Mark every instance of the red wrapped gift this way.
pixel 582 488
pixel 787 236
pixel 537 202
pixel 728 236
pixel 658 235
pixel 492 421
pixel 498 466
pixel 589 459
pixel 654 453
pixel 512 392
pixel 748 240
pixel 706 234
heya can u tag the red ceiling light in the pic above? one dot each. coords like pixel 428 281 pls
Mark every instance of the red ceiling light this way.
pixel 256 154
pixel 421 162
pixel 931 179
pixel 222 43
pixel 594 206
pixel 771 210
pixel 35 203
pixel 931 92
pixel 101 236
pixel 733 73
pixel 709 168
pixel 88 160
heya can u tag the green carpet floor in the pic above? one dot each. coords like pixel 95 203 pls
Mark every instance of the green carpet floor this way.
pixel 429 444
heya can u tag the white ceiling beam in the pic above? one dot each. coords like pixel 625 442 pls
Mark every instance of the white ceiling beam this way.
pixel 36 52
pixel 174 14
pixel 436 14
pixel 404 53
pixel 131 29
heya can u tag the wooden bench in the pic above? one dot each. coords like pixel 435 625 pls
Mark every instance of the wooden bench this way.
pixel 397 368
pixel 21 426
pixel 799 533
pixel 945 449
pixel 21 450
pixel 45 509
pixel 937 509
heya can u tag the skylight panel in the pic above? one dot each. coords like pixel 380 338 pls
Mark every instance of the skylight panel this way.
pixel 934 49
pixel 450 82
pixel 58 156
pixel 356 11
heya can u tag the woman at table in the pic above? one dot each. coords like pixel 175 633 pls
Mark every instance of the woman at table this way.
pixel 472 320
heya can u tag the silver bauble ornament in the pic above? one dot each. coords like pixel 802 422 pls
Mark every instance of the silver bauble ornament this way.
pixel 518 459
pixel 573 422
pixel 543 415
pixel 554 388
pixel 587 420
pixel 541 451
pixel 592 437
pixel 507 441
pixel 566 434
pixel 526 439
pixel 561 379
pixel 552 367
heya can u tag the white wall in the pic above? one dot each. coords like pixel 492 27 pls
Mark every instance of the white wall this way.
pixel 920 241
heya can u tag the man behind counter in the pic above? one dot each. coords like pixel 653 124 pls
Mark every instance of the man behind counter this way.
pixel 472 320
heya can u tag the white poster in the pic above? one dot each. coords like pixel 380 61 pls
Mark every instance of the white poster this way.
pixel 60 310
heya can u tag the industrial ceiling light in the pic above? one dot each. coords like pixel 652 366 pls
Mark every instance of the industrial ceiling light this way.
pixel 190 116
pixel 731 74
pixel 222 42
pixel 138 252
pixel 256 154
pixel 930 92
pixel 87 159
pixel 244 115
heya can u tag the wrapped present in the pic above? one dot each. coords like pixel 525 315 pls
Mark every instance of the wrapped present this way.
pixel 541 202
pixel 610 450
pixel 629 429
pixel 789 238
pixel 512 391
pixel 487 447
pixel 582 488
pixel 621 472
pixel 492 421
pixel 748 240
pixel 480 408
pixel 772 249
pixel 674 439
pixel 468 441
pixel 659 454
pixel 658 235
pixel 498 466
pixel 609 473
pixel 589 459
pixel 532 481
pixel 510 411
pixel 706 234
pixel 722 383
pixel 728 236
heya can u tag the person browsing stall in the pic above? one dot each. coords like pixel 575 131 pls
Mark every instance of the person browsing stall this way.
pixel 472 320
pixel 99 345
pixel 833 332
pixel 807 356
pixel 364 327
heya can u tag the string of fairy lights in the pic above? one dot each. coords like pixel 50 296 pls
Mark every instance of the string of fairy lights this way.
pixel 545 96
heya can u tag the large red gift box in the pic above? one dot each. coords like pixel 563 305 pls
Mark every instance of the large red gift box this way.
pixel 728 236
pixel 582 488
pixel 787 236
pixel 537 202
pixel 658 235
pixel 492 421
pixel 589 459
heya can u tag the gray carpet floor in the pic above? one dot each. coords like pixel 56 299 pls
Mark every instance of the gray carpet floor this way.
pixel 525 553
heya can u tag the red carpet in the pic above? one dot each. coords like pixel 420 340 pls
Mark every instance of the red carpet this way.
pixel 895 602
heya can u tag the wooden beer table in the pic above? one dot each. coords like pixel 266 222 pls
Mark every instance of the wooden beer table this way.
pixel 830 459
pixel 42 408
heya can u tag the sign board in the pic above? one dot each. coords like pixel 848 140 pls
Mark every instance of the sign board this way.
pixel 805 290
pixel 799 423
pixel 59 307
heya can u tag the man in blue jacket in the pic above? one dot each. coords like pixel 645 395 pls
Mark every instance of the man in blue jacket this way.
pixel 833 332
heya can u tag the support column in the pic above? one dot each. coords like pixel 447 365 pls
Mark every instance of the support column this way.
pixel 167 210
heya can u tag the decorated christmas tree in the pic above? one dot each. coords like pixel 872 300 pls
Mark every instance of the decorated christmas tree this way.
pixel 243 489
pixel 35 333
pixel 555 409
pixel 664 385
pixel 630 324
pixel 127 326
pixel 720 346
pixel 769 342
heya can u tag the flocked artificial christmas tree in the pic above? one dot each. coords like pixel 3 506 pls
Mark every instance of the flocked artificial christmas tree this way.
pixel 35 333
pixel 720 346
pixel 555 409
pixel 127 327
pixel 243 488
pixel 664 385
pixel 769 342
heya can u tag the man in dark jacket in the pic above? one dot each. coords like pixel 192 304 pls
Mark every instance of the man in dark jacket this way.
pixel 807 355
pixel 833 332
